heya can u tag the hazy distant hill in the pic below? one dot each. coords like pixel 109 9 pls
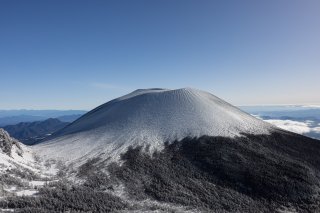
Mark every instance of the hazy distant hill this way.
pixel 11 117
pixel 11 120
pixel 280 111
pixel 31 132
pixel 41 113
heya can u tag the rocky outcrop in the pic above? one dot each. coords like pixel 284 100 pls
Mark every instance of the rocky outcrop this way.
pixel 7 143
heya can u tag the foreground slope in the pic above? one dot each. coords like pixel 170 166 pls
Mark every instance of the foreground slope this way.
pixel 18 168
pixel 149 117
pixel 12 152
pixel 279 172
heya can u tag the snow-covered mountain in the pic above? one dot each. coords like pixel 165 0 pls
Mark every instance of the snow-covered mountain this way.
pixel 149 117
pixel 161 150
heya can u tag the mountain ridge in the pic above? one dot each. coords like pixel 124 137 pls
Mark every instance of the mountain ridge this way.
pixel 30 133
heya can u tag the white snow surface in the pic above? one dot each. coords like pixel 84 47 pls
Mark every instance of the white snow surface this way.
pixel 26 159
pixel 148 117
pixel 27 192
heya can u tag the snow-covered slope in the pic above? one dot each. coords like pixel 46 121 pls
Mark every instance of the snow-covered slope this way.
pixel 13 156
pixel 13 153
pixel 148 117
pixel 20 170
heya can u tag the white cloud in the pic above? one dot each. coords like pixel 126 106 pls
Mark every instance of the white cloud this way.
pixel 300 127
pixel 316 129
pixel 309 122
pixel 311 106
pixel 295 126
pixel 292 126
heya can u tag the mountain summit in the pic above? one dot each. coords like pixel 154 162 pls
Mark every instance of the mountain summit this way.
pixel 150 117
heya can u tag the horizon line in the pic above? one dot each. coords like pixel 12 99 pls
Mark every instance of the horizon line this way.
pixel 240 105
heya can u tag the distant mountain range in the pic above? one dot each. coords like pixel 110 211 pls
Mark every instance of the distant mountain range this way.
pixel 293 111
pixel 11 117
pixel 31 126
pixel 31 132
pixel 40 113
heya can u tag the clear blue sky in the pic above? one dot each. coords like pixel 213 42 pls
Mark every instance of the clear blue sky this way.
pixel 76 54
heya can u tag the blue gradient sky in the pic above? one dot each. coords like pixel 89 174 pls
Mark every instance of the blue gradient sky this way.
pixel 79 54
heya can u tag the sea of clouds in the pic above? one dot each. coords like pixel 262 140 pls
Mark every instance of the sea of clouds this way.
pixel 300 119
pixel 299 127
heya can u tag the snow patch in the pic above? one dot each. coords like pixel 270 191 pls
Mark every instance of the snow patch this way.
pixel 27 192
